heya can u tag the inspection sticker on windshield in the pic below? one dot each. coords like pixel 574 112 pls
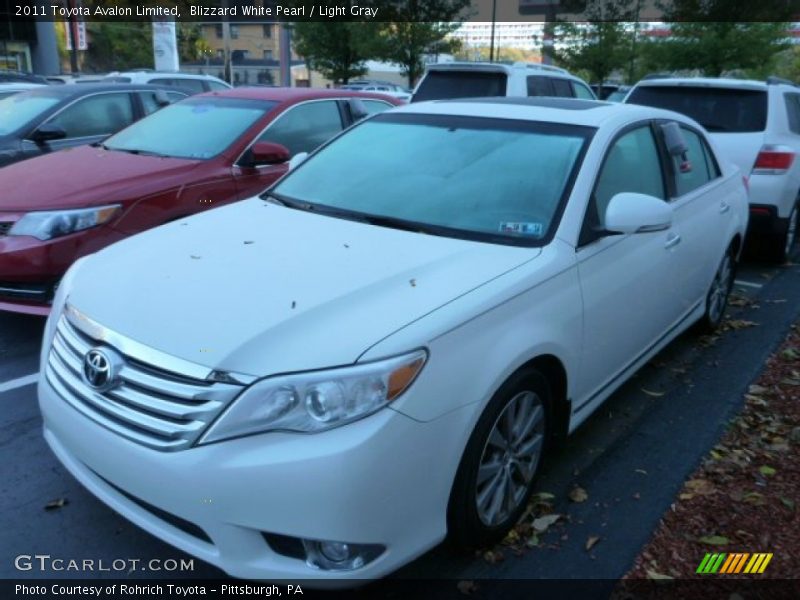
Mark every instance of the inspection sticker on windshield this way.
pixel 522 228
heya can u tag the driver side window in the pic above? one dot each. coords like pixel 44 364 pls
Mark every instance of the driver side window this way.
pixel 631 165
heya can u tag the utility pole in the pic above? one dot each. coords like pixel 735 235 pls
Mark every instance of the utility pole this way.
pixel 285 42
pixel 226 44
pixel 72 30
pixel 491 42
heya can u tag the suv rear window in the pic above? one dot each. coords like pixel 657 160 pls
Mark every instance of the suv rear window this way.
pixel 719 110
pixel 442 85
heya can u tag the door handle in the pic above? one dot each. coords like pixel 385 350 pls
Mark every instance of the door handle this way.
pixel 724 207
pixel 673 239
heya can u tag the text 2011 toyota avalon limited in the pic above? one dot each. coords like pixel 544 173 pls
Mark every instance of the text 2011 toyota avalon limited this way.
pixel 323 382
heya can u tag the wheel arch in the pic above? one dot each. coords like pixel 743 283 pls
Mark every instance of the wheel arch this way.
pixel 552 368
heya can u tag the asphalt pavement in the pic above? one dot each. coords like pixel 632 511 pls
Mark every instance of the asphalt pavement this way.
pixel 631 457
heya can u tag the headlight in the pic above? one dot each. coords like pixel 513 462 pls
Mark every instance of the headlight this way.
pixel 46 225
pixel 316 401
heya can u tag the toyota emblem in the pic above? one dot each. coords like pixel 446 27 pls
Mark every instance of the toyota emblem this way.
pixel 100 368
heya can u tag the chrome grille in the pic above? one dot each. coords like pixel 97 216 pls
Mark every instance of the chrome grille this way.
pixel 5 228
pixel 156 408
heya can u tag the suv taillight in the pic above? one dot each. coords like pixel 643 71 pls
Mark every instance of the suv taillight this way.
pixel 774 159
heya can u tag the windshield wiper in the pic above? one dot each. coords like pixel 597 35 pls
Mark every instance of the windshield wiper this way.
pixel 133 151
pixel 286 201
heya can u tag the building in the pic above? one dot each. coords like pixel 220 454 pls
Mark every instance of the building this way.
pixel 522 35
pixel 255 54
pixel 26 45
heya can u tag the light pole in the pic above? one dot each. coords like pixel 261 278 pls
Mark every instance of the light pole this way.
pixel 491 41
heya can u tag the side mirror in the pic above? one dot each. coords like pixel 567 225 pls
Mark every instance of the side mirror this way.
pixel 297 159
pixel 267 153
pixel 674 140
pixel 629 212
pixel 48 132
pixel 358 110
pixel 161 98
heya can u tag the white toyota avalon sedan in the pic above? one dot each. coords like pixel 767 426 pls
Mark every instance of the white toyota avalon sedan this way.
pixel 325 381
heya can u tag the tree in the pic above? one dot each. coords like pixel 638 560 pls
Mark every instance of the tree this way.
pixel 336 49
pixel 601 44
pixel 417 28
pixel 715 36
pixel 119 46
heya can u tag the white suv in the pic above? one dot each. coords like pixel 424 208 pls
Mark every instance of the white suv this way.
pixel 757 125
pixel 189 81
pixel 484 79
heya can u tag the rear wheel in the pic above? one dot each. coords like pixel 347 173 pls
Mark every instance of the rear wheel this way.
pixel 779 246
pixel 717 297
pixel 497 472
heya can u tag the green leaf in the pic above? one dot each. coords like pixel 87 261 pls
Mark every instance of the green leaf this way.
pixel 714 540
pixel 766 470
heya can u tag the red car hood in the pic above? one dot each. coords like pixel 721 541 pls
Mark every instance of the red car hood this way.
pixel 85 176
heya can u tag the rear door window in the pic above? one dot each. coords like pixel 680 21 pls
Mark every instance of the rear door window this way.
pixel 540 86
pixel 719 110
pixel 440 85
pixel 304 127
pixel 562 88
pixel 101 114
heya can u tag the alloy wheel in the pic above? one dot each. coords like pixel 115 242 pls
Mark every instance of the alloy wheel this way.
pixel 510 458
pixel 720 288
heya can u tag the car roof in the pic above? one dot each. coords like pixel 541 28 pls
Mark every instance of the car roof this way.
pixel 293 94
pixel 68 91
pixel 569 111
pixel 715 82
pixel 500 66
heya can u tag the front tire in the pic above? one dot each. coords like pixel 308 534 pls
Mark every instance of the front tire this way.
pixel 498 469
pixel 718 294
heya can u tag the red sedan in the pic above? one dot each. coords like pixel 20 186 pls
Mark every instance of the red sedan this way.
pixel 202 152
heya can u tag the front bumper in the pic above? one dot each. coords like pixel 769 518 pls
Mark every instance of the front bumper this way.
pixel 383 480
pixel 31 268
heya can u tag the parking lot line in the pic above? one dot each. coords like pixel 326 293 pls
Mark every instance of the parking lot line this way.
pixel 7 386
pixel 748 284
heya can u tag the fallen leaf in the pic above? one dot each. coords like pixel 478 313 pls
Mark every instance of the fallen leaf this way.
pixel 788 503
pixel 593 539
pixel 754 498
pixel 714 540
pixel 294 303
pixel 655 575
pixel 413 282
pixel 533 541
pixel 653 394
pixel 467 587
pixel 767 471
pixel 195 256
pixel 790 354
pixel 541 524
pixel 578 494
pixel 642 471
pixel 757 389
pixel 740 324
pixel 493 556
pixel 702 487
pixel 248 242
pixel 57 503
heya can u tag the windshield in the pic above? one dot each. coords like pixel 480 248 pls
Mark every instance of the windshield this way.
pixel 493 180
pixel 719 110
pixel 196 128
pixel 19 109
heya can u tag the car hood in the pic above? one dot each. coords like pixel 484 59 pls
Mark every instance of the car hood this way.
pixel 259 289
pixel 82 176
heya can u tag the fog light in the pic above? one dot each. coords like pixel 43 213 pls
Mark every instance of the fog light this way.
pixel 339 556
pixel 335 551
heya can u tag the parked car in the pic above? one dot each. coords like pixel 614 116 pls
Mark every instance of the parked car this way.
pixel 197 154
pixel 188 81
pixel 757 125
pixel 7 76
pixel 383 87
pixel 619 94
pixel 56 117
pixel 482 79
pixel 76 78
pixel 377 351
pixel 9 89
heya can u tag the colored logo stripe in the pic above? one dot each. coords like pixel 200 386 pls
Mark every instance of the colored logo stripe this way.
pixel 729 564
